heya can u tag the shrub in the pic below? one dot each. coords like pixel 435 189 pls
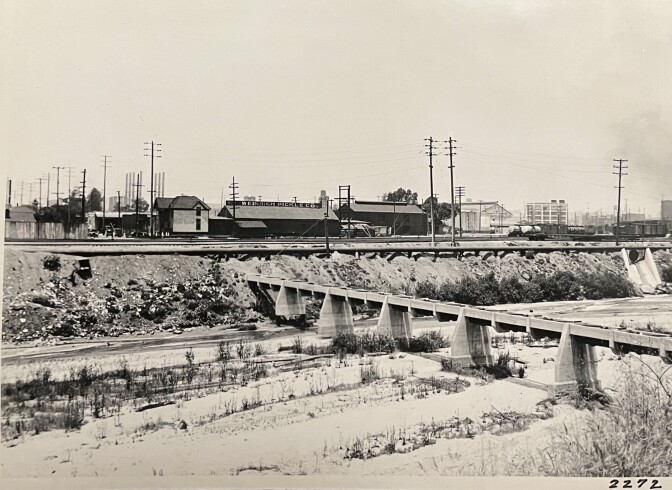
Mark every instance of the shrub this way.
pixel 52 263
pixel 559 286
pixel 297 345
pixel 630 437
pixel 351 343
pixel 666 274
pixel 426 289
pixel 478 291
pixel 512 290
pixel 427 342
pixel 606 285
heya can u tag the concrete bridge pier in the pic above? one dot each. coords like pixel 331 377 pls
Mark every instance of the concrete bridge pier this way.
pixel 575 365
pixel 471 343
pixel 395 320
pixel 289 302
pixel 335 316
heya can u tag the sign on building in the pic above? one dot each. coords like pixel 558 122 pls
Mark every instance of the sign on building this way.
pixel 277 204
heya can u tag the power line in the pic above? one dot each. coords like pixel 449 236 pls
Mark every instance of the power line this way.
pixel 460 193
pixel 451 154
pixel 83 196
pixel 58 182
pixel 430 152
pixel 153 154
pixel 105 157
pixel 234 194
pixel 618 212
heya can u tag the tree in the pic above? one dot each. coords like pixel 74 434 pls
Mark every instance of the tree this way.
pixel 68 211
pixel 401 195
pixel 143 206
pixel 94 200
pixel 441 210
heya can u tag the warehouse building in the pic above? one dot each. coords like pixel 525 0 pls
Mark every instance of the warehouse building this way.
pixel 270 218
pixel 483 216
pixel 399 218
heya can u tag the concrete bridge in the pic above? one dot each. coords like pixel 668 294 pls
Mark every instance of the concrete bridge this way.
pixel 575 365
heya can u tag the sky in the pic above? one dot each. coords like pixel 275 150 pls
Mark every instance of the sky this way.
pixel 292 97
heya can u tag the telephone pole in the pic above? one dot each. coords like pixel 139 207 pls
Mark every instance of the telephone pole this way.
pixel 460 194
pixel 58 182
pixel 234 194
pixel 620 168
pixel 137 186
pixel 154 154
pixel 430 152
pixel 105 157
pixel 40 179
pixel 451 153
pixel 83 196
pixel 69 190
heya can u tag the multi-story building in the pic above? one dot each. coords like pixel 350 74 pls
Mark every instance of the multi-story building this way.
pixel 666 209
pixel 551 213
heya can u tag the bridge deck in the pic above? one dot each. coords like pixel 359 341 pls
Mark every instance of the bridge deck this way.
pixel 641 342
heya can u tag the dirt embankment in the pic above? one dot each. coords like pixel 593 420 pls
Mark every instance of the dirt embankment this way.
pixel 142 294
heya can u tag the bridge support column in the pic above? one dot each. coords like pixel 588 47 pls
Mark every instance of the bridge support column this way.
pixel 289 302
pixel 395 320
pixel 470 343
pixel 575 365
pixel 335 317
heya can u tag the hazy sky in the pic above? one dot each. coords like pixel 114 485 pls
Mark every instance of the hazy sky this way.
pixel 291 97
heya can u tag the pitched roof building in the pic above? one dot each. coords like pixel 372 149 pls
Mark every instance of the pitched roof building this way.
pixel 180 215
pixel 280 218
pixel 399 217
pixel 20 213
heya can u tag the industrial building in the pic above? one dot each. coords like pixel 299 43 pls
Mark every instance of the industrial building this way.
pixel 181 215
pixel 271 218
pixel 551 213
pixel 483 216
pixel 399 218
pixel 666 209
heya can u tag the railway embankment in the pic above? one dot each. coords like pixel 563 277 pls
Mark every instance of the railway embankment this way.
pixel 45 298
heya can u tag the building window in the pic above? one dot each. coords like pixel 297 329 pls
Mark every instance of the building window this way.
pixel 198 224
pixel 198 211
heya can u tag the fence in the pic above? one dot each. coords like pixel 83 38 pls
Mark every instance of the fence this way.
pixel 22 230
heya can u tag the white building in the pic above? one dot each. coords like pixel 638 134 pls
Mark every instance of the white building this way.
pixel 551 213
pixel 483 216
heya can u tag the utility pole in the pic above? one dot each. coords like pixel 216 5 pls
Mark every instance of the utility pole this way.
pixel 430 147
pixel 48 186
pixel 501 216
pixel 460 193
pixel 451 153
pixel 618 212
pixel 69 190
pixel 326 229
pixel 105 157
pixel 83 196
pixel 294 199
pixel 137 186
pixel 346 189
pixel 40 179
pixel 58 182
pixel 234 194
pixel 154 154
